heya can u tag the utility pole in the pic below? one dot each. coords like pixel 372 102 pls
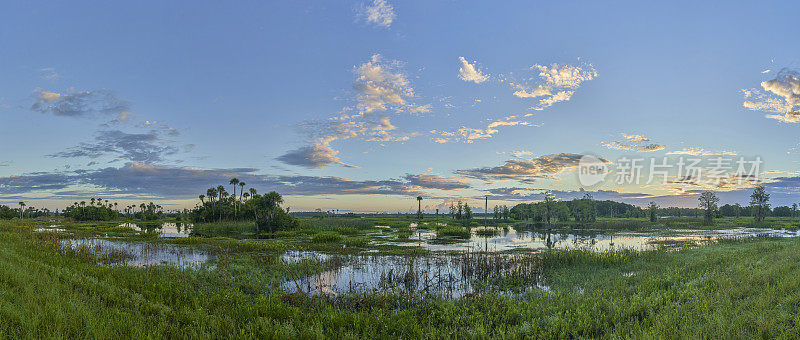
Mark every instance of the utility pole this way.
pixel 485 211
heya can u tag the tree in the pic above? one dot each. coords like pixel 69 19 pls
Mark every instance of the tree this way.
pixel 652 210
pixel 467 212
pixel 21 209
pixel 241 194
pixel 759 201
pixel 548 204
pixel 708 201
pixel 419 209
pixel 268 212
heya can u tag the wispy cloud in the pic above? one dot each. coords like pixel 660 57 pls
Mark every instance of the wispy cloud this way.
pixel 556 83
pixel 148 147
pixel 780 95
pixel 379 13
pixel 149 180
pixel 49 73
pixel 635 143
pixel 470 72
pixel 537 194
pixel 526 170
pixel 469 135
pixel 79 103
pixel 698 151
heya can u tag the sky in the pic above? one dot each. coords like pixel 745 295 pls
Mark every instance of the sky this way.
pixel 364 105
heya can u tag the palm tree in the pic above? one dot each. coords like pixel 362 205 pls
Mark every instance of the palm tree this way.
pixel 241 193
pixel 234 181
pixel 221 194
pixel 21 209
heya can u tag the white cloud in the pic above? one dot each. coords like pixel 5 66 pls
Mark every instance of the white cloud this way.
pixel 635 143
pixel 698 151
pixel 556 83
pixel 380 13
pixel 780 95
pixel 521 153
pixel 468 72
pixel 381 85
pixel 468 134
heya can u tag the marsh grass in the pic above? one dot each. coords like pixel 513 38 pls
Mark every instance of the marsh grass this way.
pixel 326 237
pixel 732 288
pixel 453 232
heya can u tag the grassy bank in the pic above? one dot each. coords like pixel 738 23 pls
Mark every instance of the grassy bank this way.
pixel 736 288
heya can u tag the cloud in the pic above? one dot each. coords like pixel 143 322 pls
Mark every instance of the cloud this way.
pixel 526 170
pixel 380 13
pixel 147 147
pixel 49 73
pixel 469 135
pixel 636 143
pixel 556 83
pixel 468 72
pixel 780 95
pixel 537 194
pixel 316 156
pixel 80 103
pixel 148 180
pixel 380 85
pixel 698 151
pixel 436 182
pixel 521 153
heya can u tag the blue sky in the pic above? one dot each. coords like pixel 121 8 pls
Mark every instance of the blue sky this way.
pixel 357 105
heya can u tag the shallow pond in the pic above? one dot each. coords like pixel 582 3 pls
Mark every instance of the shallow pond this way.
pixel 163 229
pixel 505 239
pixel 444 275
pixel 140 254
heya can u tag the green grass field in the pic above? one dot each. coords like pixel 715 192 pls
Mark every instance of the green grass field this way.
pixel 735 288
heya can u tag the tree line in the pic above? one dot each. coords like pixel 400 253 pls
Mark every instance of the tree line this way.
pixel 218 205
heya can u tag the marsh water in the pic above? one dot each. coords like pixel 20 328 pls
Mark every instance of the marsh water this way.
pixel 505 239
pixel 451 270
pixel 163 229
pixel 140 254
pixel 454 268
pixel 440 274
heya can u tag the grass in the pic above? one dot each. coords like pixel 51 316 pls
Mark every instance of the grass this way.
pixel 326 237
pixel 453 232
pixel 734 288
